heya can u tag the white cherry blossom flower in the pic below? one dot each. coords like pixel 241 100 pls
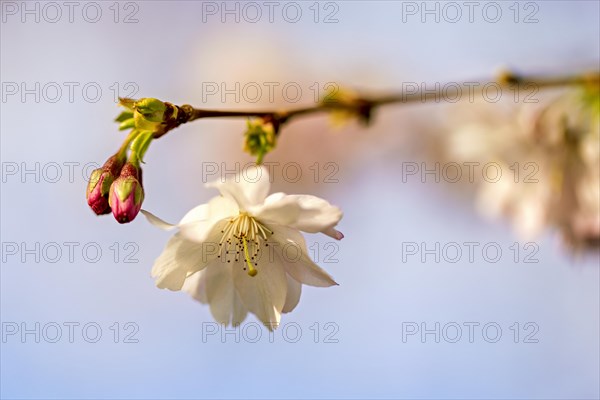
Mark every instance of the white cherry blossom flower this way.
pixel 243 251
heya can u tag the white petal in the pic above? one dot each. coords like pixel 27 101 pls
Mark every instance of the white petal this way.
pixel 295 259
pixel 332 232
pixel 216 209
pixel 179 258
pixel 197 224
pixel 317 215
pixel 199 213
pixel 263 294
pixel 278 209
pixel 220 207
pixel 206 233
pixel 248 188
pixel 307 213
pixel 294 289
pixel 239 309
pixel 154 220
pixel 225 303
pixel 195 286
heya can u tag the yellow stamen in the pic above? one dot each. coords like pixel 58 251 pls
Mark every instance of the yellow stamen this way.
pixel 251 270
pixel 243 233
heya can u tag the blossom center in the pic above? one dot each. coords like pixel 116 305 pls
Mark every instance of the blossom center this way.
pixel 242 237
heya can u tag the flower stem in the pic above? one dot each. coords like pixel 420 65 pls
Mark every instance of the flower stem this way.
pixel 139 147
pixel 122 153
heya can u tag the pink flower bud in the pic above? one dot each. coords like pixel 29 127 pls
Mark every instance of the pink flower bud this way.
pixel 97 191
pixel 126 194
pixel 99 185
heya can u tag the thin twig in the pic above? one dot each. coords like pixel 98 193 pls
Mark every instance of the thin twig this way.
pixel 364 105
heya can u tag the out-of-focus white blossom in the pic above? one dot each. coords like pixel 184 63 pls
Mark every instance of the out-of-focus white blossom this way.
pixel 549 156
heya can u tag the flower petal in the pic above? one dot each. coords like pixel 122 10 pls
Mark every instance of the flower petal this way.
pixel 195 286
pixel 182 257
pixel 198 213
pixel 216 209
pixel 296 262
pixel 307 213
pixel 248 188
pixel 294 290
pixel 332 232
pixel 278 209
pixel 154 220
pixel 179 259
pixel 239 309
pixel 220 207
pixel 225 303
pixel 198 224
pixel 263 294
pixel 208 233
pixel 317 214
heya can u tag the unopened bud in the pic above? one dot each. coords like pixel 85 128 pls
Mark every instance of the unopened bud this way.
pixel 127 194
pixel 261 138
pixel 99 185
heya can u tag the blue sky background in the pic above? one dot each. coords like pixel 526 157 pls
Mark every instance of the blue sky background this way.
pixel 172 53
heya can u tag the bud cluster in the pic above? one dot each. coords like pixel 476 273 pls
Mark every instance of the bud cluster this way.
pixel 117 185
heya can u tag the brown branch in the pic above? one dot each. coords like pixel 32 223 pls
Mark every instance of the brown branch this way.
pixel 364 105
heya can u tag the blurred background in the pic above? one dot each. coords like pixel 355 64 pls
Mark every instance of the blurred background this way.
pixel 81 316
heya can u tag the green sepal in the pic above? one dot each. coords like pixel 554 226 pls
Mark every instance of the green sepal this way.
pixel 125 115
pixel 127 124
pixel 127 103
pixel 139 194
pixel 152 109
pixel 124 187
pixel 139 146
pixel 143 124
pixel 108 180
pixel 94 179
